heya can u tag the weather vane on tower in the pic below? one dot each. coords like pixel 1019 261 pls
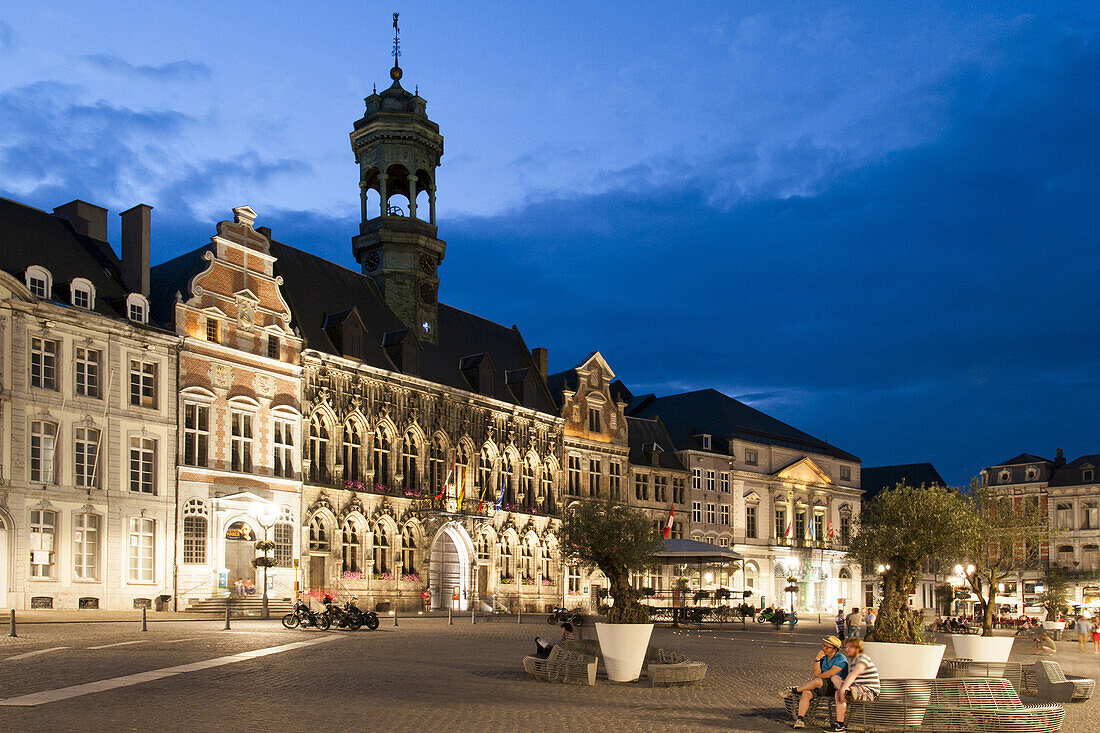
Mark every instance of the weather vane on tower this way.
pixel 395 72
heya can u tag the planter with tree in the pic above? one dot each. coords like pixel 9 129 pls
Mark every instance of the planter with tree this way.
pixel 616 539
pixel 899 531
pixel 1055 600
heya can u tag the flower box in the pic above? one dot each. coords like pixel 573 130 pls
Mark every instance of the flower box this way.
pixel 383 576
pixel 410 577
pixel 351 575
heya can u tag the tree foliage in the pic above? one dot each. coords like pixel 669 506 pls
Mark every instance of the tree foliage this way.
pixel 1055 595
pixel 1005 537
pixel 901 529
pixel 618 540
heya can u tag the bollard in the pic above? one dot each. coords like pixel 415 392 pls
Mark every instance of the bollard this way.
pixel 519 615
pixel 395 614
pixel 450 619
pixel 12 632
pixel 144 623
pixel 473 614
pixel 227 617
pixel 819 618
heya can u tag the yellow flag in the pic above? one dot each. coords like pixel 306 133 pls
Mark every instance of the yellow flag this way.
pixel 461 486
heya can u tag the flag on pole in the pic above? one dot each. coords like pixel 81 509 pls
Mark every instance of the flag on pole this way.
pixel 813 530
pixel 667 531
pixel 481 499
pixel 447 481
pixel 830 530
pixel 461 487
pixel 500 499
pixel 788 532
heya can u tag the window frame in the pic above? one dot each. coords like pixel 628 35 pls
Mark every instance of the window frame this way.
pixel 45 355
pixel 142 529
pixel 87 369
pixel 146 467
pixel 81 554
pixel 196 434
pixel 144 382
pixel 85 473
pixel 40 469
pixel 39 529
pixel 81 286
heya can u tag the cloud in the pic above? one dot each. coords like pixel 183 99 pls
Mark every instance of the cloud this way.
pixel 7 36
pixel 181 71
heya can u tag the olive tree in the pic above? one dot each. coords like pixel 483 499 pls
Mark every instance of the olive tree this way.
pixel 901 529
pixel 1005 538
pixel 618 540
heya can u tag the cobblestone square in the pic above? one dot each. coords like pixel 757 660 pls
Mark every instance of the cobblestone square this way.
pixel 421 675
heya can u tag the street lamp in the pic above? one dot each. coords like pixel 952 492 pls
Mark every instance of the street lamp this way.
pixel 266 519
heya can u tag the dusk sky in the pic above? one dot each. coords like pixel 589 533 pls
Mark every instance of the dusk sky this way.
pixel 870 220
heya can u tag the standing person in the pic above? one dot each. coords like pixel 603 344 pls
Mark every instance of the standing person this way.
pixel 779 617
pixel 862 682
pixel 853 621
pixel 792 619
pixel 869 621
pixel 839 620
pixel 830 667
pixel 427 596
pixel 1095 637
pixel 1084 632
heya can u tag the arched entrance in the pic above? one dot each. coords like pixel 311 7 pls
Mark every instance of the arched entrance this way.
pixel 5 547
pixel 451 559
pixel 240 551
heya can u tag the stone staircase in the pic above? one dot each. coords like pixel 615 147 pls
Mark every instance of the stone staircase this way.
pixel 242 606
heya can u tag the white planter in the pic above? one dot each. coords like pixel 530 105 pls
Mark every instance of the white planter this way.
pixel 982 648
pixel 623 647
pixel 1054 625
pixel 905 661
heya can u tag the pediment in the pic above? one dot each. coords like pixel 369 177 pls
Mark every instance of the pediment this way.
pixel 247 294
pixel 596 360
pixel 804 471
pixel 751 496
pixel 244 498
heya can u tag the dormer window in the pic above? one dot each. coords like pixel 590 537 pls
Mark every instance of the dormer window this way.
pixel 1032 472
pixel 1005 477
pixel 137 308
pixel 39 281
pixel 704 441
pixel 1087 476
pixel 83 293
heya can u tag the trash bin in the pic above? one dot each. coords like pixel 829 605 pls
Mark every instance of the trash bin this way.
pixel 161 601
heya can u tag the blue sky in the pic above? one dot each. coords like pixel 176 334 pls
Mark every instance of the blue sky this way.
pixel 875 221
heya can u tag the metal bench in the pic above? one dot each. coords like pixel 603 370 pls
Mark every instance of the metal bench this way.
pixel 1011 671
pixel 667 667
pixel 1054 684
pixel 562 665
pixel 956 705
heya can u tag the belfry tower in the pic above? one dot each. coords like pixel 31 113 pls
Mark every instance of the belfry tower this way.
pixel 398 148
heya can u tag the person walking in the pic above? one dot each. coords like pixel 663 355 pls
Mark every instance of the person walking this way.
pixel 1095 637
pixel 1084 632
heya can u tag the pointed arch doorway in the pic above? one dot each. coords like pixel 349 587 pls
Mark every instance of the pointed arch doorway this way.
pixel 452 557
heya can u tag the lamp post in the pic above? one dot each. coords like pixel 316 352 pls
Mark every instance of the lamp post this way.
pixel 266 520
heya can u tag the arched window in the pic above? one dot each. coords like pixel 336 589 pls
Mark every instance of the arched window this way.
pixel 546 490
pixel 506 551
pixel 1065 556
pixel 546 561
pixel 484 547
pixel 436 460
pixel 194 532
pixel 507 479
pixel 282 534
pixel 39 281
pixel 410 466
pixel 485 473
pixel 318 450
pixel 353 439
pixel 1090 557
pixel 381 552
pixel 408 550
pixel 351 547
pixel 82 293
pixel 527 486
pixel 462 470
pixel 318 535
pixel 381 457
pixel 527 558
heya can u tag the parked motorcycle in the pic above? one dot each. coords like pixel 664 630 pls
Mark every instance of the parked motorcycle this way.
pixel 303 616
pixel 560 615
pixel 365 618
pixel 339 617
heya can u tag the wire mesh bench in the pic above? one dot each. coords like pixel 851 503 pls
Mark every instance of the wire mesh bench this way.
pixel 1011 671
pixel 1054 684
pixel 955 705
pixel 562 665
pixel 667 667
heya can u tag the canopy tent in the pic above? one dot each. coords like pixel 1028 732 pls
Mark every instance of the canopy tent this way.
pixel 693 552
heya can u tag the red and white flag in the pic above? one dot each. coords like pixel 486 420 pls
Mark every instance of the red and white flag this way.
pixel 830 529
pixel 667 531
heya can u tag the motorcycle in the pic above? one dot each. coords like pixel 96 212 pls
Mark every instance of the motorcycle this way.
pixel 303 616
pixel 560 615
pixel 365 618
pixel 340 617
pixel 764 616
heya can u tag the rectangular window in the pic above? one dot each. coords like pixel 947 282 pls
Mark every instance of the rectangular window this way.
pixel 752 458
pixel 196 434
pixel 44 363
pixel 241 442
pixel 82 298
pixel 573 579
pixel 43 452
pixel 704 440
pixel 282 534
pixel 137 312
pixel 845 473
pixel 660 488
pixel 819 527
pixel 800 524
pixel 641 486
pixel 724 515
pixel 284 448
pixel 710 481
pixel 212 333
pixel 697 512
pixel 1064 516
pixel 711 516
pixel 696 479
pixel 750 522
pixel 143 383
pixel 87 371
pixel 194 540
pixel 781 522
pixel 678 489
pixel 594 478
pixel 845 528
pixel 38 286
pixel 43 526
pixel 143 454
pixel 85 457
pixel 724 481
pixel 86 546
pixel 142 536
pixel 1089 519
pixel 573 487
pixel 273 351
pixel 593 420
pixel 615 480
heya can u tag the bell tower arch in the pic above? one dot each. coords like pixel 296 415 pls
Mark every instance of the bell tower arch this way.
pixel 398 150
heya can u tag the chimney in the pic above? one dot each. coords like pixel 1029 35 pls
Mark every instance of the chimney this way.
pixel 87 219
pixel 1060 459
pixel 541 357
pixel 135 249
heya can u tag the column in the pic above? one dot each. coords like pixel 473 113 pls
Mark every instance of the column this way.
pixel 431 203
pixel 412 197
pixel 382 190
pixel 363 199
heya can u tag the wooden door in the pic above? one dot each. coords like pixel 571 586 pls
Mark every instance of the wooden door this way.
pixel 317 578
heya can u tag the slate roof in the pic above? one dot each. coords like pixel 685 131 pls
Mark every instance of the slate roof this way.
pixel 30 236
pixel 1070 474
pixel 709 411
pixel 171 277
pixel 645 432
pixel 876 478
pixel 561 380
pixel 1021 459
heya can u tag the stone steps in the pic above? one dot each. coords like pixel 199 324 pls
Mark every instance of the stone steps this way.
pixel 246 606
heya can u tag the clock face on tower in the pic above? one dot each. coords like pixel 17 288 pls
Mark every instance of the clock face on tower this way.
pixel 373 261
pixel 427 264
